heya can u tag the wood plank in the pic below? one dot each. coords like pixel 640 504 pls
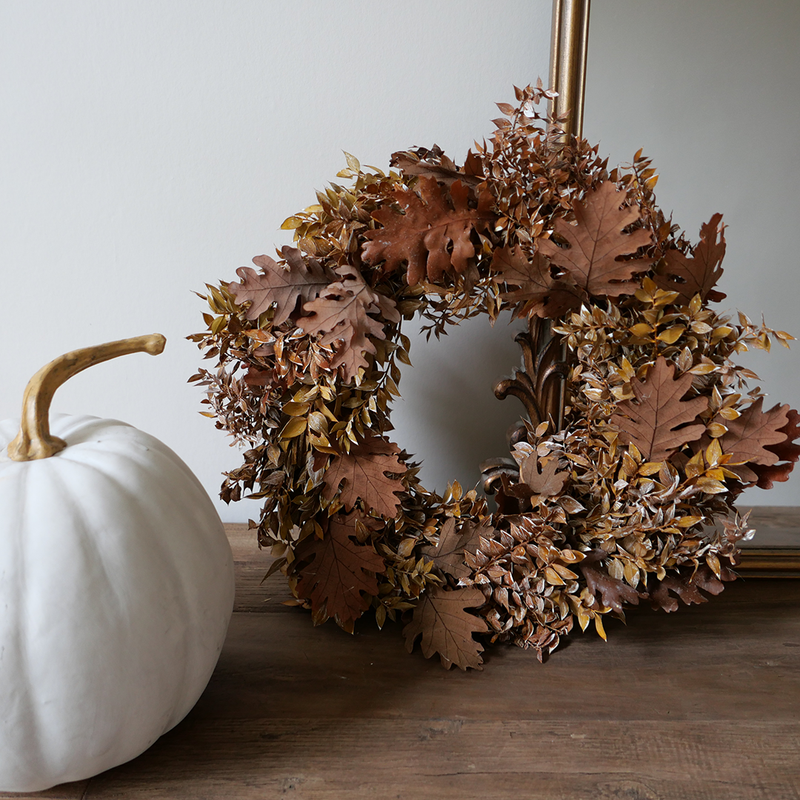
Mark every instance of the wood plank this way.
pixel 431 758
pixel 723 660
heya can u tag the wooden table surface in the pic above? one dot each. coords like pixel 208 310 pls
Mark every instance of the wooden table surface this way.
pixel 704 703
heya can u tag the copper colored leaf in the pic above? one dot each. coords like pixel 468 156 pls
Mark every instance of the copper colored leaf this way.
pixel 258 377
pixel 787 451
pixel 338 574
pixel 688 587
pixel 596 242
pixel 446 628
pixel 611 592
pixel 362 473
pixel 301 280
pixel 698 273
pixel 539 293
pixel 543 478
pixel 432 235
pixel 656 423
pixel 448 554
pixel 434 165
pixel 754 436
pixel 341 315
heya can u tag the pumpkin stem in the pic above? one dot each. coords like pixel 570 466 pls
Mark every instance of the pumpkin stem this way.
pixel 34 439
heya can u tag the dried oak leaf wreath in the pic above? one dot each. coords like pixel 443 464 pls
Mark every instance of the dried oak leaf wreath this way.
pixel 630 497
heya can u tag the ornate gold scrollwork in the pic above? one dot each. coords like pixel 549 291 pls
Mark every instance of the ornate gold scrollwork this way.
pixel 541 387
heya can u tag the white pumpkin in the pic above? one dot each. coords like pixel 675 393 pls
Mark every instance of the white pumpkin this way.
pixel 116 589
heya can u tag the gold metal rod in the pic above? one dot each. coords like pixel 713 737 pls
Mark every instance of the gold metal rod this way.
pixel 569 44
pixel 568 50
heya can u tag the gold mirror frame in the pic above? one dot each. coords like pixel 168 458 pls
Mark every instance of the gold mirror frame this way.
pixel 568 52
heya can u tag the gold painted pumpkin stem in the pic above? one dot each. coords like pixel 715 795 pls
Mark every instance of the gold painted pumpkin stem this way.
pixel 34 439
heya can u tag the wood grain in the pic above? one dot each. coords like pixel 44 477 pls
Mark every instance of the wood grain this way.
pixel 703 704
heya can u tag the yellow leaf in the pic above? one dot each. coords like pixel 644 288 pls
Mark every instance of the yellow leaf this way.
pixel 703 369
pixel 598 624
pixel 406 547
pixel 291 223
pixel 695 466
pixel 713 453
pixel 631 573
pixel 711 486
pixel 688 521
pixel 721 332
pixel 650 468
pixel 293 409
pixel 565 572
pixel 642 329
pixel 553 578
pixel 352 162
pixel 713 562
pixel 317 422
pixel 305 394
pixel 627 369
pixel 671 335
pixel 294 427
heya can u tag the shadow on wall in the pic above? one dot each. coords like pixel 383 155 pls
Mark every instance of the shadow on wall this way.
pixel 448 416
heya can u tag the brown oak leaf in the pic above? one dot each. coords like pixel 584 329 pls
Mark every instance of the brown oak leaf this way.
pixel 759 438
pixel 433 236
pixel 596 242
pixel 303 280
pixel 337 574
pixel 688 587
pixel 435 164
pixel 341 314
pixel 700 272
pixel 362 473
pixel 446 627
pixel 539 293
pixel 540 476
pixel 787 451
pixel 448 554
pixel 656 423
pixel 611 592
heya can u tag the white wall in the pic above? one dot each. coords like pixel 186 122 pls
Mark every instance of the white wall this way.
pixel 149 147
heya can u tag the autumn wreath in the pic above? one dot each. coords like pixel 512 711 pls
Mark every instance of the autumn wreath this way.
pixel 630 496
